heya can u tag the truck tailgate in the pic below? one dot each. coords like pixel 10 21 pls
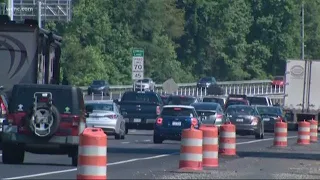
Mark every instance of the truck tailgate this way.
pixel 314 98
pixel 141 110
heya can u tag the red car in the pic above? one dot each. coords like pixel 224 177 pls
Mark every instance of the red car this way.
pixel 278 81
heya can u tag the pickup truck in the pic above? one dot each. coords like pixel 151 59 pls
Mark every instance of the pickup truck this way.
pixel 140 109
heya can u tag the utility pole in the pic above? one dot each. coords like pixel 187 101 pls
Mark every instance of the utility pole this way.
pixel 302 57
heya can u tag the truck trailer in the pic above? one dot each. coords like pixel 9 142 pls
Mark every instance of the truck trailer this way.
pixel 29 54
pixel 302 91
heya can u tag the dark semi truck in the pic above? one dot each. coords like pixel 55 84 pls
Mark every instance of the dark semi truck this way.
pixel 28 54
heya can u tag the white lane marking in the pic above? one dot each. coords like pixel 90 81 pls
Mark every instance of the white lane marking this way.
pixel 127 161
pixel 147 140
pixel 125 142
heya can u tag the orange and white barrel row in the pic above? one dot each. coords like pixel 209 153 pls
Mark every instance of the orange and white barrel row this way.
pixel 210 146
pixel 92 159
pixel 227 139
pixel 313 130
pixel 191 150
pixel 303 133
pixel 280 134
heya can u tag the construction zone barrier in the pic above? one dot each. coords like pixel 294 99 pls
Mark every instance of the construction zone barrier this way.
pixel 303 133
pixel 210 146
pixel 313 130
pixel 92 160
pixel 191 150
pixel 280 134
pixel 227 139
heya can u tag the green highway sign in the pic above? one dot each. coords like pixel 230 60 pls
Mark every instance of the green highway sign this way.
pixel 138 53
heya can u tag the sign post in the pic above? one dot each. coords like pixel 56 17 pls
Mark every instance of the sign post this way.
pixel 137 66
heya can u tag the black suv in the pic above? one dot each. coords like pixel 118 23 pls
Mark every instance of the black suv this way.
pixel 43 119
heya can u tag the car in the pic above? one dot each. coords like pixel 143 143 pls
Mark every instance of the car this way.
pixel 247 120
pixel 172 120
pixel 259 100
pixel 99 87
pixel 206 82
pixel 210 113
pixel 43 119
pixel 278 81
pixel 146 84
pixel 105 114
pixel 140 109
pixel 217 99
pixel 182 100
pixel 234 99
pixel 270 115
pixel 3 108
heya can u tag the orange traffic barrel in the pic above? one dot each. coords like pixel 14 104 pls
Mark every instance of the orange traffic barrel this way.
pixel 92 159
pixel 227 142
pixel 210 146
pixel 191 150
pixel 313 130
pixel 280 134
pixel 303 133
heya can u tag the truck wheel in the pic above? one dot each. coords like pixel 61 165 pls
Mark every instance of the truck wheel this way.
pixel 157 140
pixel 12 154
pixel 74 160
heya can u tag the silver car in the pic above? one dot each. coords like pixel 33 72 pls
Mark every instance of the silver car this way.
pixel 105 114
pixel 146 84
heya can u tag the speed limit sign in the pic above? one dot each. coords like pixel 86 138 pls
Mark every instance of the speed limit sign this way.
pixel 137 64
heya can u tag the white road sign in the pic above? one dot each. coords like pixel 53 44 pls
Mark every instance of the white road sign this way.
pixel 137 64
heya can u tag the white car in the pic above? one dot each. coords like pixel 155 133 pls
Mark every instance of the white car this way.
pixel 105 114
pixel 146 84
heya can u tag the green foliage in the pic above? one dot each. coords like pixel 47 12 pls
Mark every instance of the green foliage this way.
pixel 185 39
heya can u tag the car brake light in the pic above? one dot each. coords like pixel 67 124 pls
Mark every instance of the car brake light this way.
pixel 159 121
pixel 254 121
pixel 112 116
pixel 158 110
pixel 194 122
pixel 177 109
pixel 44 99
pixel 219 116
pixel 3 109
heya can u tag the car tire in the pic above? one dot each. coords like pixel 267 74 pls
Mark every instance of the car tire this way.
pixel 127 130
pixel 260 135
pixel 157 140
pixel 123 135
pixel 12 154
pixel 74 161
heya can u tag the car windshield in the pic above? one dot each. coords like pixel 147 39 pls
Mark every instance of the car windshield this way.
pixel 235 102
pixel 181 100
pixel 240 110
pixel 258 100
pixel 270 110
pixel 143 81
pixel 100 83
pixel 206 79
pixel 140 97
pixel 278 78
pixel 216 100
pixel 99 106
pixel 177 111
pixel 209 106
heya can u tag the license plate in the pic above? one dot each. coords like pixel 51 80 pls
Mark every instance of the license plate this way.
pixel 266 119
pixel 239 120
pixel 136 120
pixel 176 123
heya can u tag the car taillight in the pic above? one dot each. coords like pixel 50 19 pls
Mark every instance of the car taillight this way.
pixel 219 116
pixel 194 122
pixel 113 116
pixel 158 111
pixel 75 120
pixel 254 121
pixel 3 109
pixel 159 121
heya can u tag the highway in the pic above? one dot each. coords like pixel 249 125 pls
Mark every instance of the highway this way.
pixel 136 157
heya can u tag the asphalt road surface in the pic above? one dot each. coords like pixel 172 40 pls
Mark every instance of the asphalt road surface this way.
pixel 136 157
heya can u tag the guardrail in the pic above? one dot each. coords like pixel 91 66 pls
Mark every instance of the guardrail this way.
pixel 186 85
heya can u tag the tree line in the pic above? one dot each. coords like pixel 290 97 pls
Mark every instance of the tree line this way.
pixel 185 39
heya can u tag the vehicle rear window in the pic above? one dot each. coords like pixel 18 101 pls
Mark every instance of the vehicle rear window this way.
pixel 258 100
pixel 235 102
pixel 61 99
pixel 216 100
pixel 99 106
pixel 140 97
pixel 100 83
pixel 177 111
pixel 269 110
pixel 181 100
pixel 202 106
pixel 240 110
pixel 143 81
pixel 278 78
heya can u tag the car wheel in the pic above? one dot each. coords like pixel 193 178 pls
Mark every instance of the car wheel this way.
pixel 74 160
pixel 117 136
pixel 127 130
pixel 260 134
pixel 12 154
pixel 157 140
pixel 123 134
